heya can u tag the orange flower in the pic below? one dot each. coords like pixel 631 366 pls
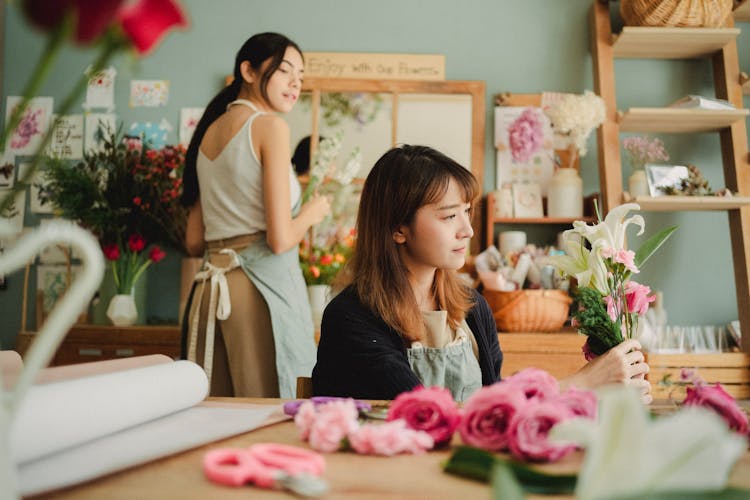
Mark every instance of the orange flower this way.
pixel 315 271
pixel 339 258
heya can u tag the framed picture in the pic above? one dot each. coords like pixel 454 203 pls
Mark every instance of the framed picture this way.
pixel 665 176
pixel 527 200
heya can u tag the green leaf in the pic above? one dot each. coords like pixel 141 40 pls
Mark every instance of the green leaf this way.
pixel 651 245
pixel 474 463
pixel 725 494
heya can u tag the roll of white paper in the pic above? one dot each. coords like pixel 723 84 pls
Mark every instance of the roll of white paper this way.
pixel 59 415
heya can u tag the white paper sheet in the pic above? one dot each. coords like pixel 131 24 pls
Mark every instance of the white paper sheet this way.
pixel 56 416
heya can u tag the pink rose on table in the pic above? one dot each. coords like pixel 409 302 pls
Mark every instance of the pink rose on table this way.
pixel 717 399
pixel 488 413
pixel 580 402
pixel 529 431
pixel 331 423
pixel 535 383
pixel 432 410
pixel 388 439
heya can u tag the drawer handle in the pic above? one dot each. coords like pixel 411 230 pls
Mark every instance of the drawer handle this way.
pixel 124 352
pixel 89 352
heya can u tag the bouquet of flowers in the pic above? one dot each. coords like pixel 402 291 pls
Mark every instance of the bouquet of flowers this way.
pixel 330 245
pixel 129 261
pixel 576 115
pixel 123 188
pixel 642 150
pixel 607 302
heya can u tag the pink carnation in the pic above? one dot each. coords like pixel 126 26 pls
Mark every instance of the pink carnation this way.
pixel 637 297
pixel 529 431
pixel 488 413
pixel 304 419
pixel 432 410
pixel 388 439
pixel 717 399
pixel 535 383
pixel 525 135
pixel 332 423
pixel 580 402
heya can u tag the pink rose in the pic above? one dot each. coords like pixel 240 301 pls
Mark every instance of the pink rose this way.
pixel 388 439
pixel 529 431
pixel 332 423
pixel 304 419
pixel 432 410
pixel 637 297
pixel 587 352
pixel 580 402
pixel 717 399
pixel 488 413
pixel 535 383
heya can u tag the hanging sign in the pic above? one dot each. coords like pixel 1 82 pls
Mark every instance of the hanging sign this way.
pixel 376 66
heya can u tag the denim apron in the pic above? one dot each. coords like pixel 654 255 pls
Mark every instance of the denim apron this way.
pixel 446 358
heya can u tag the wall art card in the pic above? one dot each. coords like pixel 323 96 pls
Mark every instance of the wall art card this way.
pixel 53 281
pixel 54 254
pixel 153 134
pixel 7 170
pixel 36 186
pixel 189 118
pixel 97 125
pixel 149 93
pixel 527 200
pixel 67 137
pixel 100 92
pixel 28 135
pixel 524 143
pixel 15 212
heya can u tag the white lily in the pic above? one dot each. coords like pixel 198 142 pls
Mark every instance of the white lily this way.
pixel 611 231
pixel 628 454
pixel 587 266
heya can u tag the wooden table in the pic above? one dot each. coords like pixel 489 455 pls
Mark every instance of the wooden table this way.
pixel 350 475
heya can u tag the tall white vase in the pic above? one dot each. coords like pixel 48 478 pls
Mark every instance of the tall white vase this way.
pixel 122 310
pixel 637 183
pixel 319 296
pixel 565 194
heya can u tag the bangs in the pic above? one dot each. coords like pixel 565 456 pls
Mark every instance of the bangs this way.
pixel 467 183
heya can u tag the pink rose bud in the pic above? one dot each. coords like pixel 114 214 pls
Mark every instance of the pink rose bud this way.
pixel 487 415
pixel 716 398
pixel 529 432
pixel 535 383
pixel 582 403
pixel 432 410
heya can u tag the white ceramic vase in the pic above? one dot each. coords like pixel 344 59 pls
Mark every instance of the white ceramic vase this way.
pixel 637 183
pixel 122 311
pixel 565 194
pixel 319 296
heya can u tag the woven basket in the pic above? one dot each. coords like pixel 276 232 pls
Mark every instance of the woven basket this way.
pixel 683 13
pixel 529 310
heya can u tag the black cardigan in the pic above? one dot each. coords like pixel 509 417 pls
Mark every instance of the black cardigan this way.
pixel 360 356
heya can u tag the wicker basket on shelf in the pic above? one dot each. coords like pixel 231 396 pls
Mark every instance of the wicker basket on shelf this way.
pixel 678 13
pixel 529 310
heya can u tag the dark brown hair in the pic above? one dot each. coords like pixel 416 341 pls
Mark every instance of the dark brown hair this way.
pixel 403 180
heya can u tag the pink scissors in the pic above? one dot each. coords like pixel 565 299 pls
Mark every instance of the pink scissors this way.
pixel 268 465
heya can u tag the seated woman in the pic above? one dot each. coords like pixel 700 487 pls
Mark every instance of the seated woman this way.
pixel 406 319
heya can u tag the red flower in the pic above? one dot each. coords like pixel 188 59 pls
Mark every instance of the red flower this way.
pixel 146 21
pixel 326 259
pixel 136 243
pixel 112 251
pixel 137 201
pixel 92 17
pixel 156 254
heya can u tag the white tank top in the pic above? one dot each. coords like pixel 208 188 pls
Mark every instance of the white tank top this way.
pixel 231 186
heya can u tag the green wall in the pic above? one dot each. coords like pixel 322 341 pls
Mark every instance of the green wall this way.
pixel 515 46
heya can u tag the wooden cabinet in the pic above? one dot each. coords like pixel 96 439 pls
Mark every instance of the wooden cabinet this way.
pixel 557 353
pixel 86 343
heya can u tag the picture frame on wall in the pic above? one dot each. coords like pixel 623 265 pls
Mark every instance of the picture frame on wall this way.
pixel 527 200
pixel 665 176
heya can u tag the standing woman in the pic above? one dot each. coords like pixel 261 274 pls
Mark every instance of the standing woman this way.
pixel 249 323
pixel 406 319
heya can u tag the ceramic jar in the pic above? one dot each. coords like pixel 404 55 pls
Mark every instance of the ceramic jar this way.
pixel 637 183
pixel 565 194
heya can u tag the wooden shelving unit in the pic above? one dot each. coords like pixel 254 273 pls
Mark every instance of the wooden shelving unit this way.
pixel 670 43
pixel 678 120
pixel 718 45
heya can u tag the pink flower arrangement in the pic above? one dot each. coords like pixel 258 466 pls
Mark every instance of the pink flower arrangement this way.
pixel 327 425
pixel 512 415
pixel 432 410
pixel 715 398
pixel 525 135
pixel 642 150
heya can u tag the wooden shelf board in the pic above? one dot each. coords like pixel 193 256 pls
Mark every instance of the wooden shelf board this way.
pixel 670 43
pixel 742 12
pixel 695 203
pixel 541 220
pixel 678 120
